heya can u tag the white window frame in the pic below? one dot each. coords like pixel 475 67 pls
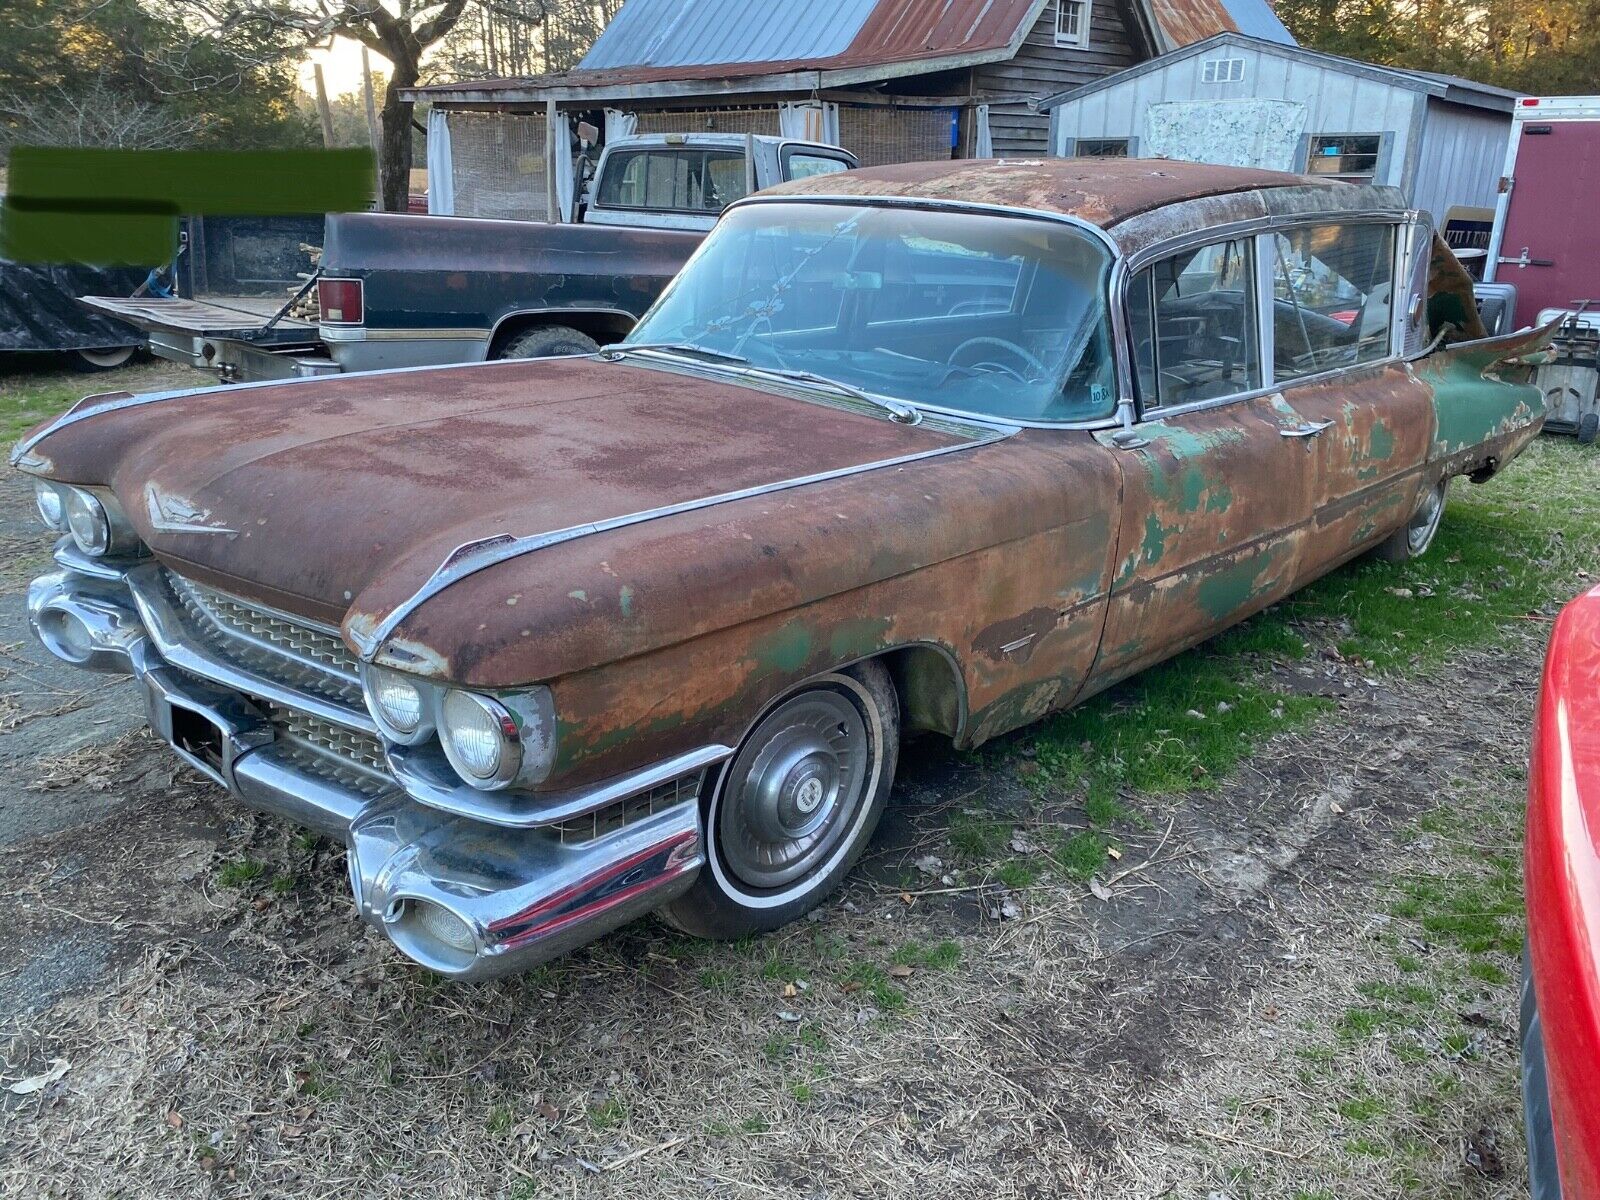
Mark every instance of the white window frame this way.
pixel 1222 70
pixel 1080 39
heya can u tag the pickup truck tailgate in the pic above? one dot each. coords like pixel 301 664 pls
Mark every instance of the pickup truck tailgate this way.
pixel 228 317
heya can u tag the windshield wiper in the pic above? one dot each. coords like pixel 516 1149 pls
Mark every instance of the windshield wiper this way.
pixel 613 353
pixel 898 410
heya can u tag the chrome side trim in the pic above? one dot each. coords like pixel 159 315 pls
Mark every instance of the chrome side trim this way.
pixel 471 557
pixel 428 779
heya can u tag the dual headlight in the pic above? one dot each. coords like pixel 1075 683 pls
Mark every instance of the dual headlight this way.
pixel 97 526
pixel 491 741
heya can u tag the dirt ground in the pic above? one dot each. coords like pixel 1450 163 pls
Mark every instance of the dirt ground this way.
pixel 1281 985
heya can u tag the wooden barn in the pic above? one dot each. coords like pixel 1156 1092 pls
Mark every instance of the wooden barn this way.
pixel 890 80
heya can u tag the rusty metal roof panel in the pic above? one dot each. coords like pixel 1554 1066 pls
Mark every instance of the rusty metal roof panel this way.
pixel 667 40
pixel 1102 191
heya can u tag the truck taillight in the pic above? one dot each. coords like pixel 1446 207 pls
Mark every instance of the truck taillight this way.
pixel 339 301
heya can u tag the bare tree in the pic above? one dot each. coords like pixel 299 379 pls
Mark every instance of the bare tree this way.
pixel 96 115
pixel 398 30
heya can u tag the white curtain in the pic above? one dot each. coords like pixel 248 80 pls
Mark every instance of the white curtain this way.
pixel 620 124
pixel 561 163
pixel 809 121
pixel 441 180
pixel 983 143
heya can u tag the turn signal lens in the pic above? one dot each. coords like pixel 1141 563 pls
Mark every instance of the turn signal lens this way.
pixel 51 504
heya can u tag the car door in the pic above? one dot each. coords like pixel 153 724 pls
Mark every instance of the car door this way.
pixel 1335 356
pixel 1217 484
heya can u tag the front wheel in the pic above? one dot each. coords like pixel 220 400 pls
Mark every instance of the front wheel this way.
pixel 1413 538
pixel 795 806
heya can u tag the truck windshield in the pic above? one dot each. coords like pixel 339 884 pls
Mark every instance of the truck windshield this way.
pixel 971 312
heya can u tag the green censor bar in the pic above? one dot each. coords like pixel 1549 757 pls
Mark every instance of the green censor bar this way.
pixel 121 207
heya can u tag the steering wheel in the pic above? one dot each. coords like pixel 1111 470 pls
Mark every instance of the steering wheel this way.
pixel 988 364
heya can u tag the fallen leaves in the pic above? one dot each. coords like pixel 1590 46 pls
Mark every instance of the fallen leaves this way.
pixel 37 1083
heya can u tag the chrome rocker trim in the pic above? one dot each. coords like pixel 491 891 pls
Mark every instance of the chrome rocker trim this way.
pixel 510 898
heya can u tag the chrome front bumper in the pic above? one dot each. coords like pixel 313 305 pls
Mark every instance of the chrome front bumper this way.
pixel 468 898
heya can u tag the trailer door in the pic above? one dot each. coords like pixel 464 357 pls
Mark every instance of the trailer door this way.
pixel 1551 245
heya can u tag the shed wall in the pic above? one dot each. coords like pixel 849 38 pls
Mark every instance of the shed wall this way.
pixel 1463 151
pixel 1334 101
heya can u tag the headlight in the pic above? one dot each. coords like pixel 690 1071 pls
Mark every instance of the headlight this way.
pixel 398 704
pixel 87 522
pixel 482 740
pixel 48 498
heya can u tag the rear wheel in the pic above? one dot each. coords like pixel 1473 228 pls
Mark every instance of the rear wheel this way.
pixel 796 805
pixel 548 341
pixel 1587 428
pixel 1413 538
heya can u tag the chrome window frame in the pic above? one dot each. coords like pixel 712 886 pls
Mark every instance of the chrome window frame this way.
pixel 1264 231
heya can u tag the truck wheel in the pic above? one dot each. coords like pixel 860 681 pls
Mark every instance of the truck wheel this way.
pixel 90 361
pixel 1413 538
pixel 547 341
pixel 795 806
pixel 1587 428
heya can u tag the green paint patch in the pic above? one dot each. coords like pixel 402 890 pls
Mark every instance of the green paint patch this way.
pixel 786 649
pixel 851 640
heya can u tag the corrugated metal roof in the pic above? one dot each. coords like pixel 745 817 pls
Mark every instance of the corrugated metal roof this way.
pixel 653 41
pixel 1181 23
pixel 681 33
pixel 1255 18
pixel 690 41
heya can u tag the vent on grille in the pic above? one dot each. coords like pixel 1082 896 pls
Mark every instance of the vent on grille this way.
pixel 625 812
pixel 302 656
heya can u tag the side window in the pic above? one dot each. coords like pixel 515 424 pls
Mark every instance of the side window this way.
pixel 1192 318
pixel 800 165
pixel 1333 295
pixel 1351 157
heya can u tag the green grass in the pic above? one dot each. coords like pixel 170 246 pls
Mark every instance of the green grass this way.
pixel 874 982
pixel 241 872
pixel 946 956
pixel 608 1114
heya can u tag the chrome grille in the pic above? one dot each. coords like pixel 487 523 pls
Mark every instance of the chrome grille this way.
pixel 613 817
pixel 297 654
pixel 362 749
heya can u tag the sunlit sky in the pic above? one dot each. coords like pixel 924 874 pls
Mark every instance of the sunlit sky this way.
pixel 341 68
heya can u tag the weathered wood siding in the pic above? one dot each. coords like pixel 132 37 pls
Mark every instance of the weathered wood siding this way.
pixel 1041 68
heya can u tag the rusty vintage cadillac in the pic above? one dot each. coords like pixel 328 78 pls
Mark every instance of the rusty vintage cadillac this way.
pixel 938 447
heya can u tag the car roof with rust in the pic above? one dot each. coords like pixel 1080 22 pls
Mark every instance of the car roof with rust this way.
pixel 1101 191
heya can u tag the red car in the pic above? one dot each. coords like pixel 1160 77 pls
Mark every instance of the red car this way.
pixel 1561 985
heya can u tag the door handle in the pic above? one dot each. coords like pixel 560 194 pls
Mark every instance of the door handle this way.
pixel 1309 430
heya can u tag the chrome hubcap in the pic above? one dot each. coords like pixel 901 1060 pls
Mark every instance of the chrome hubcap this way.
pixel 794 789
pixel 1421 529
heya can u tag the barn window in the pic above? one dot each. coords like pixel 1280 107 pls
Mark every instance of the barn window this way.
pixel 1072 23
pixel 1222 70
pixel 1102 148
pixel 1352 157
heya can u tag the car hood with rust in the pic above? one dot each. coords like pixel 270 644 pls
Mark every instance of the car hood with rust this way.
pixel 338 499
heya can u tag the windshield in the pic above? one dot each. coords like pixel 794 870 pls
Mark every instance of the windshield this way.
pixel 975 312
